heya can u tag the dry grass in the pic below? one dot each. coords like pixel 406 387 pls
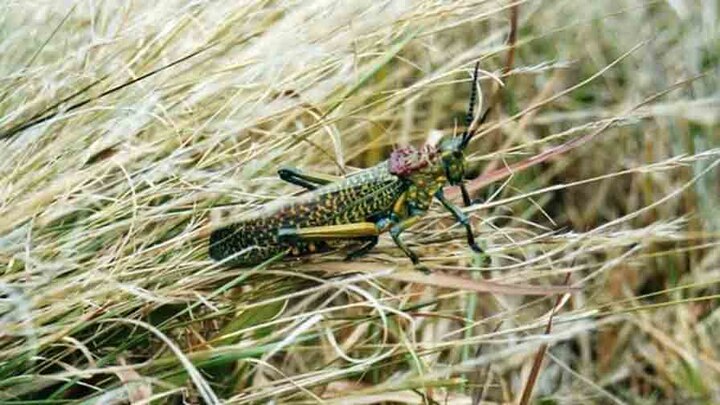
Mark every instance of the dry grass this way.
pixel 106 291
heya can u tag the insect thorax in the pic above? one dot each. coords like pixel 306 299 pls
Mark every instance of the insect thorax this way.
pixel 408 160
pixel 422 170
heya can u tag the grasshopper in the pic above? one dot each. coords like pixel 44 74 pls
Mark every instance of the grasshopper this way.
pixel 390 196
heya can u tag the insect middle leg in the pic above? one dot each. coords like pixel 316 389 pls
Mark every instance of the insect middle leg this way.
pixel 310 181
pixel 398 228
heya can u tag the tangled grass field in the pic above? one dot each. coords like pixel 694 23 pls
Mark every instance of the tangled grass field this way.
pixel 130 130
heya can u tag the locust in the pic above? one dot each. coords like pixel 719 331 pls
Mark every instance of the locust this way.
pixel 389 197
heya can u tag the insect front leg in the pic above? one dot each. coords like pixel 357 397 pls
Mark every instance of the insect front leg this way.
pixel 461 218
pixel 465 195
pixel 310 181
pixel 467 201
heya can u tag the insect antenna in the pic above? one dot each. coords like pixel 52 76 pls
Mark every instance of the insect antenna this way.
pixel 470 129
pixel 471 108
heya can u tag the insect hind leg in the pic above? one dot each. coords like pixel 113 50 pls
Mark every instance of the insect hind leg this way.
pixel 328 232
pixel 297 238
pixel 309 181
pixel 369 243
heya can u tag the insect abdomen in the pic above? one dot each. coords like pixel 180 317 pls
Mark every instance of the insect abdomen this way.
pixel 250 246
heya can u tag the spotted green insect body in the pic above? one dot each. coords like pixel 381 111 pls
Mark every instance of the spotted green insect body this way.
pixel 391 196
pixel 350 200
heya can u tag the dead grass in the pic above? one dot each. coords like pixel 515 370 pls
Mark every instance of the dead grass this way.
pixel 116 162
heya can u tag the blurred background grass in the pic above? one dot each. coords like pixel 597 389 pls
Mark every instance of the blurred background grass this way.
pixel 106 201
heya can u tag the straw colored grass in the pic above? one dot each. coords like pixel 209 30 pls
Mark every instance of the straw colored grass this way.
pixel 130 130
